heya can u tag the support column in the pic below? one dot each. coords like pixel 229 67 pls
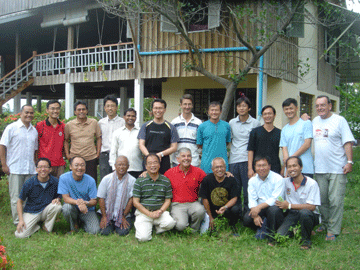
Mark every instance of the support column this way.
pixel 69 100
pixel 261 94
pixel 17 98
pixel 123 101
pixel 70 40
pixel 139 100
pixel 38 103
pixel 29 98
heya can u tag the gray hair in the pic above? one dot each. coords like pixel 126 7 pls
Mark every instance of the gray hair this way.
pixel 182 150
pixel 217 158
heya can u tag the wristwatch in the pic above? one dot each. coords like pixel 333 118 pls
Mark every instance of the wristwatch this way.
pixel 350 161
pixel 289 206
pixel 162 154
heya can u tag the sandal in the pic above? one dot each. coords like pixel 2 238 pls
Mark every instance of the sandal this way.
pixel 305 247
pixel 321 229
pixel 330 237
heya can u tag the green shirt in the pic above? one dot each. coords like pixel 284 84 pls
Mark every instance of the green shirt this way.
pixel 152 193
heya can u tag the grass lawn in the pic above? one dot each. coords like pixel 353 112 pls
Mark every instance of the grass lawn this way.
pixel 174 250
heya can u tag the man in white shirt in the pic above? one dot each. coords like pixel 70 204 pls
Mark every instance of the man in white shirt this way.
pixel 333 142
pixel 125 143
pixel 264 189
pixel 108 125
pixel 187 125
pixel 18 145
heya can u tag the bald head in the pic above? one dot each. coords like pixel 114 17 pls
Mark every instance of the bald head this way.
pixel 121 166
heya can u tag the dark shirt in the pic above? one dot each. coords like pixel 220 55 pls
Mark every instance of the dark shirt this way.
pixel 265 143
pixel 37 197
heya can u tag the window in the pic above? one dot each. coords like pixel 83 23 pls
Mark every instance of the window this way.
pixel 306 104
pixel 333 105
pixel 296 26
pixel 331 54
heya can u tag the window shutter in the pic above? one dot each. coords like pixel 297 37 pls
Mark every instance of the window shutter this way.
pixel 214 14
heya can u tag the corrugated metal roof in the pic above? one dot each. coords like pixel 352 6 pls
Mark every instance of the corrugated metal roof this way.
pixel 14 6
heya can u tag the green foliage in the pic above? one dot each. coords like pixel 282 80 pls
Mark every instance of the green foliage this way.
pixel 349 106
pixel 147 108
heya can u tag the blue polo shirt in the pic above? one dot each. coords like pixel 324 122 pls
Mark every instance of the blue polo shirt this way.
pixel 37 197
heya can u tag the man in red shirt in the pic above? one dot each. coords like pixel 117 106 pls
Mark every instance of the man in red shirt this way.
pixel 185 181
pixel 51 138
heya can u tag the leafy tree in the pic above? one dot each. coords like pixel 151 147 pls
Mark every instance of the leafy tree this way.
pixel 349 106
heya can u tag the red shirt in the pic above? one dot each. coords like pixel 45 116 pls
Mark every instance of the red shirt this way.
pixel 185 187
pixel 51 142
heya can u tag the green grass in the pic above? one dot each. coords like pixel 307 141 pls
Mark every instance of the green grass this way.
pixel 174 250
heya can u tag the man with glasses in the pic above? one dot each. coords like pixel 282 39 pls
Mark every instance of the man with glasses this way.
pixel 51 138
pixel 42 201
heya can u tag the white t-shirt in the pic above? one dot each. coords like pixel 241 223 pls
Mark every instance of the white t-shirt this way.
pixel 330 135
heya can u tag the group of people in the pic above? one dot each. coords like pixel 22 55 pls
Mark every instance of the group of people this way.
pixel 178 174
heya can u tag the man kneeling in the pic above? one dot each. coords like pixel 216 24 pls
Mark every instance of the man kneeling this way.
pixel 115 199
pixel 302 195
pixel 42 201
pixel 152 197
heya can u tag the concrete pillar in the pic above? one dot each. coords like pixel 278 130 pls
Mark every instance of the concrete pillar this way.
pixel 123 101
pixel 261 94
pixel 38 103
pixel 17 98
pixel 139 100
pixel 28 98
pixel 69 100
pixel 71 38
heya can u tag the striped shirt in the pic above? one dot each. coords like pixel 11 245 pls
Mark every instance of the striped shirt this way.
pixel 152 193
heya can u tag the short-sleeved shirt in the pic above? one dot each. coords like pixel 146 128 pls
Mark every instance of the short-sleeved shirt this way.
pixel 266 143
pixel 21 143
pixel 185 186
pixel 108 126
pixel 213 138
pixel 187 137
pixel 265 191
pixel 36 196
pixel 307 193
pixel 240 132
pixel 330 135
pixel 84 189
pixel 158 137
pixel 293 137
pixel 152 194
pixel 105 188
pixel 82 136
pixel 51 141
pixel 218 193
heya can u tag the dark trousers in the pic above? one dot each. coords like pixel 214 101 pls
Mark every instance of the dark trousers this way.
pixel 307 219
pixel 273 214
pixel 240 171
pixel 232 214
pixel 111 228
pixel 91 168
pixel 104 165
pixel 135 174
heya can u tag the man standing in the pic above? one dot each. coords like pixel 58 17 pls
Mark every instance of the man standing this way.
pixel 333 142
pixel 185 181
pixel 51 138
pixel 301 198
pixel 152 197
pixel 125 143
pixel 42 201
pixel 158 136
pixel 264 141
pixel 115 199
pixel 79 193
pixel 187 125
pixel 264 189
pixel 213 137
pixel 108 125
pixel 241 127
pixel 82 131
pixel 296 137
pixel 219 194
pixel 17 153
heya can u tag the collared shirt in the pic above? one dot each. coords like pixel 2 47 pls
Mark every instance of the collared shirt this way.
pixel 36 196
pixel 105 187
pixel 51 141
pixel 108 126
pixel 240 133
pixel 152 194
pixel 187 137
pixel 185 186
pixel 82 137
pixel 265 191
pixel 21 144
pixel 125 143
pixel 307 193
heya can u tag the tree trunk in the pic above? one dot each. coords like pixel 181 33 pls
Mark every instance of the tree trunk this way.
pixel 229 98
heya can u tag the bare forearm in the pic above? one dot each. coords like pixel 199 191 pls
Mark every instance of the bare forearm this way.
pixel 250 159
pixel 140 207
pixel 19 208
pixel 165 205
pixel 66 148
pixel 231 203
pixel 170 150
pixel 2 154
pixel 207 207
pixel 128 207
pixel 98 146
pixel 306 145
pixel 102 207
pixel 307 206
pixel 348 151
pixel 143 148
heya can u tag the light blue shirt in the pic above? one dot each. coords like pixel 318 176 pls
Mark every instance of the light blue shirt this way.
pixel 293 137
pixel 213 138
pixel 265 191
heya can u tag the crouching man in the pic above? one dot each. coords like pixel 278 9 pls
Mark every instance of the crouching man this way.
pixel 302 195
pixel 152 197
pixel 42 201
pixel 115 199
